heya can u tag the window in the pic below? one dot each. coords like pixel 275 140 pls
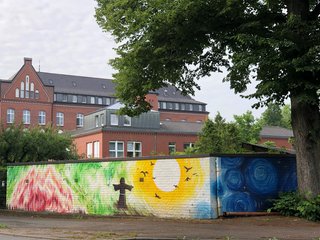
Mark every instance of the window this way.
pixel 27 86
pixel 188 145
pixel 22 90
pixel 92 100
pixel 42 118
pixel 10 115
pixel 84 99
pixel 102 119
pixel 89 150
pixel 127 121
pixel 79 120
pixel 172 147
pixel 116 149
pixel 183 106
pixel 114 119
pixel 96 120
pixel 32 90
pixel 164 105
pixel 169 105
pixel 176 106
pixel 74 98
pixel 60 119
pixel 108 101
pixel 96 149
pixel 17 92
pixel 37 94
pixel 26 117
pixel 134 149
pixel 99 100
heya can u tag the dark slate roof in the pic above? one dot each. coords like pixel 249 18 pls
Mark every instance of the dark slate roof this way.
pixel 102 87
pixel 77 84
pixel 165 127
pixel 276 132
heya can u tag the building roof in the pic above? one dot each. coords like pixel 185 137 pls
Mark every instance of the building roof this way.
pixel 103 87
pixel 165 127
pixel 181 127
pixel 276 132
pixel 267 149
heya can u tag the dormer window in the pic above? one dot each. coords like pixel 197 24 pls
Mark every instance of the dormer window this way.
pixel 127 121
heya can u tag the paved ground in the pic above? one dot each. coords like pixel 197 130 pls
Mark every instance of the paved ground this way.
pixel 20 226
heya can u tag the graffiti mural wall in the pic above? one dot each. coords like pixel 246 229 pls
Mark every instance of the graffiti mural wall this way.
pixel 164 188
pixel 246 184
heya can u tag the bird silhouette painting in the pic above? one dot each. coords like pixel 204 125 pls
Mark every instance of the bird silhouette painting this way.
pixel 157 196
pixel 187 179
pixel 176 186
pixel 187 168
pixel 151 163
pixel 144 173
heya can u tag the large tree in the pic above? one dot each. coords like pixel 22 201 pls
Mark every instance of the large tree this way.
pixel 274 42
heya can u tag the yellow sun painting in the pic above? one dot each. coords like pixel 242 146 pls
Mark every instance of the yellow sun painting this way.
pixel 173 181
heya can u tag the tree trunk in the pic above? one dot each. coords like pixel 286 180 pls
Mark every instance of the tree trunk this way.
pixel 306 129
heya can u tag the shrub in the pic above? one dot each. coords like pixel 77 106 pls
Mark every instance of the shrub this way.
pixel 295 204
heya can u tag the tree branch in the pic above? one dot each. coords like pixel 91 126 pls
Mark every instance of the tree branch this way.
pixel 315 13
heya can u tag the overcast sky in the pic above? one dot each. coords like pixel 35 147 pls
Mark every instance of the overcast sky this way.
pixel 62 36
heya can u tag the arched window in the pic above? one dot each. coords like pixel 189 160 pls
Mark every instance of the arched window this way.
pixel 22 90
pixel 32 90
pixel 37 94
pixel 17 92
pixel 27 86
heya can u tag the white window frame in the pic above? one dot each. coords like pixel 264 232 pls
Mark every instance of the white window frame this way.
pixel 96 149
pixel 96 120
pixel 22 89
pixel 126 120
pixel 188 145
pixel 74 98
pixel 92 100
pixel 102 121
pixel 80 120
pixel 100 100
pixel 26 116
pixel 133 150
pixel 17 92
pixel 60 119
pixel 114 119
pixel 42 118
pixel 89 150
pixel 172 147
pixel 10 115
pixel 117 152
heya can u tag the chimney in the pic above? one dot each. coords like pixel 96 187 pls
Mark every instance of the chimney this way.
pixel 27 61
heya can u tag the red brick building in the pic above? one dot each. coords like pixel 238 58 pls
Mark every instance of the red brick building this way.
pixel 39 98
pixel 280 136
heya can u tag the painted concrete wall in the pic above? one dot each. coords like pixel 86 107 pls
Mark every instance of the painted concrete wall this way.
pixel 178 188
pixel 246 184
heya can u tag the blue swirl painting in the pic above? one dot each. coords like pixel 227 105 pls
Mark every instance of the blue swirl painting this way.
pixel 247 184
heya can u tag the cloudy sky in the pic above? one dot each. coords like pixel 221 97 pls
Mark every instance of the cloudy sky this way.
pixel 62 36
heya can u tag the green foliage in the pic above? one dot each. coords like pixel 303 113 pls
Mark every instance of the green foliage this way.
pixel 249 128
pixel 218 136
pixel 18 144
pixel 294 204
pixel 275 115
pixel 177 42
